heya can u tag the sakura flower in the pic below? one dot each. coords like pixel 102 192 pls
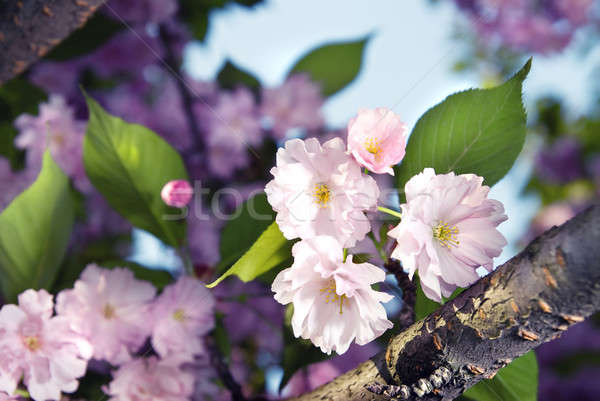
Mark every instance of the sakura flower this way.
pixel 111 309
pixel 295 104
pixel 56 129
pixel 177 193
pixel 41 349
pixel 150 379
pixel 183 312
pixel 377 139
pixel 448 230
pixel 320 190
pixel 334 303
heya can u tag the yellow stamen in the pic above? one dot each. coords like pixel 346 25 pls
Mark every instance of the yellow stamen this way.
pixel 109 311
pixel 446 235
pixel 373 146
pixel 332 296
pixel 32 342
pixel 179 315
pixel 322 195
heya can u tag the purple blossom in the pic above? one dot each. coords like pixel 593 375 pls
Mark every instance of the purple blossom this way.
pixel 56 129
pixel 141 11
pixel 560 162
pixel 295 104
pixel 13 183
pixel 111 308
pixel 203 237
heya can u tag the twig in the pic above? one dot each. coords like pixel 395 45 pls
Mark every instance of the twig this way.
pixel 406 317
pixel 217 361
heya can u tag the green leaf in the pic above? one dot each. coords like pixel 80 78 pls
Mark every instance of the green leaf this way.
pixel 515 382
pixel 231 76
pixel 129 165
pixel 253 217
pixel 334 66
pixel 34 232
pixel 159 278
pixel 298 353
pixel 268 251
pixel 478 131
pixel 96 31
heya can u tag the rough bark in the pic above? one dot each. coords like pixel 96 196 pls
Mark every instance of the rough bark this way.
pixel 30 28
pixel 533 298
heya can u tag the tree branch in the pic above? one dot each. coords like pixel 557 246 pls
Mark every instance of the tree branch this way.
pixel 533 298
pixel 30 28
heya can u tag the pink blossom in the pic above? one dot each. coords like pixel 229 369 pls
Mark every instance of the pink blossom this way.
pixel 41 349
pixel 448 230
pixel 151 379
pixel 334 303
pixel 320 190
pixel 183 313
pixel 6 397
pixel 295 104
pixel 177 193
pixel 377 139
pixel 111 309
pixel 56 129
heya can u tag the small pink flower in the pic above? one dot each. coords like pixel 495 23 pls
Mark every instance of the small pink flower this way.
pixel 320 190
pixel 42 350
pixel 111 308
pixel 151 379
pixel 377 139
pixel 183 313
pixel 334 303
pixel 448 230
pixel 177 193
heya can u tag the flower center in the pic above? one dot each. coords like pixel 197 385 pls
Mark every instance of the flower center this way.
pixel 109 311
pixel 322 195
pixel 179 315
pixel 446 235
pixel 32 343
pixel 331 294
pixel 373 146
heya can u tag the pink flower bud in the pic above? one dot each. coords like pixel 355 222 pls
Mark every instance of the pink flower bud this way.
pixel 177 193
pixel 377 139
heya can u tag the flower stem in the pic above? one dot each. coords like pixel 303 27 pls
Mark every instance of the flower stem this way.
pixel 389 211
pixel 345 254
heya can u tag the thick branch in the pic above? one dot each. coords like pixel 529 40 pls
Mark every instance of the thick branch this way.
pixel 29 28
pixel 533 298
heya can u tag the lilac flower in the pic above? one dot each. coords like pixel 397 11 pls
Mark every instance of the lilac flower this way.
pixel 111 309
pixel 13 183
pixel 183 313
pixel 295 104
pixel 448 230
pixel 203 237
pixel 334 303
pixel 41 349
pixel 320 190
pixel 150 379
pixel 560 162
pixel 141 11
pixel 54 128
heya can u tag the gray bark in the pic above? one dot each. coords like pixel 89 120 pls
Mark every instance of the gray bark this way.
pixel 30 28
pixel 533 298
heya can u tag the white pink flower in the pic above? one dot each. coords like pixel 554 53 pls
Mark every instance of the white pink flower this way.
pixel 183 312
pixel 177 193
pixel 295 104
pixel 111 308
pixel 151 379
pixel 377 139
pixel 334 303
pixel 42 350
pixel 448 230
pixel 320 190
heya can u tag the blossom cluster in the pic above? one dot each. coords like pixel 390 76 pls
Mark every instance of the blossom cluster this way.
pixel 107 316
pixel 321 196
pixel 529 25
